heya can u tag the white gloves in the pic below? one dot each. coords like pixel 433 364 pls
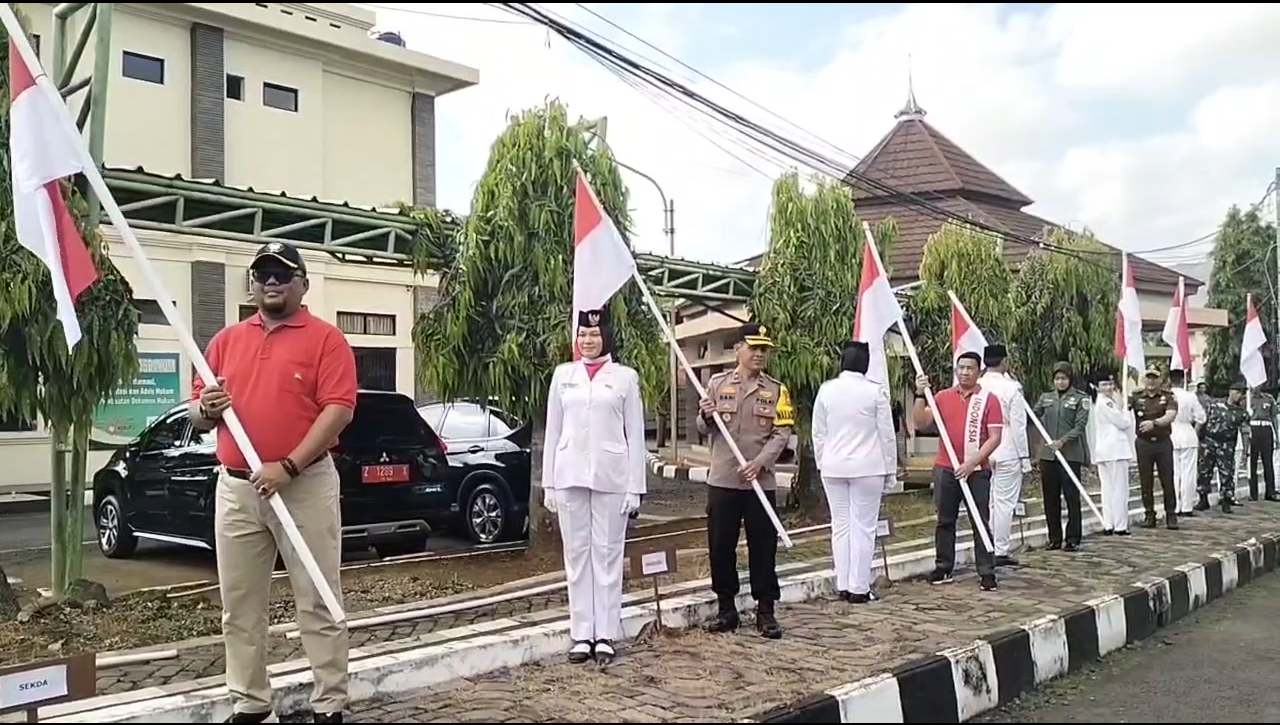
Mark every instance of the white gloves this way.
pixel 630 504
pixel 549 500
pixel 1026 465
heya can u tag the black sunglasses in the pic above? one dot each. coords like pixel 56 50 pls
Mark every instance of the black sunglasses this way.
pixel 281 275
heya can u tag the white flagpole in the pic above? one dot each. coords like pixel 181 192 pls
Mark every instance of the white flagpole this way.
pixel 977 520
pixel 1048 440
pixel 94 176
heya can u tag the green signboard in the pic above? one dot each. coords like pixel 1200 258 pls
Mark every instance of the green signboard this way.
pixel 133 407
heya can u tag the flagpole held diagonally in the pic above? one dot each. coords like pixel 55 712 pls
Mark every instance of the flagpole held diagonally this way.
pixel 148 271
pixel 669 334
pixel 1031 415
pixel 978 522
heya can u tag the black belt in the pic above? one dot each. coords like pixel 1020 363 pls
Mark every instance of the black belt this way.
pixel 245 474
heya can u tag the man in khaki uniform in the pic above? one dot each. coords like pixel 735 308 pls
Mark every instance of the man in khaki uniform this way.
pixel 758 414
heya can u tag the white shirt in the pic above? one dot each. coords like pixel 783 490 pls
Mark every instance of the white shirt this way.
pixel 595 430
pixel 1110 431
pixel 853 428
pixel 1190 413
pixel 1013 444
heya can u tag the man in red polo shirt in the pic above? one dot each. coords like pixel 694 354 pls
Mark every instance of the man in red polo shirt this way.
pixel 292 378
pixel 973 423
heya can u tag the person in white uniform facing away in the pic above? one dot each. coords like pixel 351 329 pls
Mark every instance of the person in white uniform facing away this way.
pixel 1110 437
pixel 853 444
pixel 1186 442
pixel 1012 458
pixel 593 475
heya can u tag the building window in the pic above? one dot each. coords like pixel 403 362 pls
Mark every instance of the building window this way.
pixel 14 424
pixel 281 97
pixel 375 367
pixel 235 87
pixel 149 312
pixel 362 323
pixel 143 68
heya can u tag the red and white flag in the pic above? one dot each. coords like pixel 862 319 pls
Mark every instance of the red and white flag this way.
pixel 877 310
pixel 1252 366
pixel 1129 322
pixel 41 158
pixel 602 263
pixel 965 336
pixel 1175 331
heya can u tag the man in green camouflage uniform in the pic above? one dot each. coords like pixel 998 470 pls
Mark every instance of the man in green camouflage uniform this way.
pixel 1224 421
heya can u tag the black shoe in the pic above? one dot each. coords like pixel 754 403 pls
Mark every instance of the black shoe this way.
pixel 1054 546
pixel 1273 496
pixel 1149 522
pixel 1171 521
pixel 843 596
pixel 1123 533
pixel 768 626
pixel 1108 532
pixel 1203 503
pixel 1006 560
pixel 870 596
pixel 1189 514
pixel 937 576
pixel 580 652
pixel 723 622
pixel 987 582
pixel 326 717
pixel 604 651
pixel 254 717
pixel 1226 505
pixel 1071 546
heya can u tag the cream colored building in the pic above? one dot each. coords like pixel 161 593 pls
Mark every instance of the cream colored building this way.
pixel 296 98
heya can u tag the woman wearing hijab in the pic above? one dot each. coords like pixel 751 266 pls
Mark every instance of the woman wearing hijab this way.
pixel 593 475
pixel 853 444
pixel 1110 436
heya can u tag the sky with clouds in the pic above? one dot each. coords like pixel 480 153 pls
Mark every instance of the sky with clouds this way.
pixel 1143 122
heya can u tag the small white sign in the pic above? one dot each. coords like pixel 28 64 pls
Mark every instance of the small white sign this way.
pixel 33 686
pixel 1020 509
pixel 655 562
pixel 884 529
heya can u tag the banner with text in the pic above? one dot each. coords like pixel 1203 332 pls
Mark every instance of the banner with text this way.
pixel 156 389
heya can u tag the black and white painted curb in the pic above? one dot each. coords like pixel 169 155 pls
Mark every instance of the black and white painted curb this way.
pixel 957 684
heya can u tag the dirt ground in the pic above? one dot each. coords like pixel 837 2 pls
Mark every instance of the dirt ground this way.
pixel 158 617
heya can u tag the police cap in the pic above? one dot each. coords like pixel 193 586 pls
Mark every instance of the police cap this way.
pixel 755 335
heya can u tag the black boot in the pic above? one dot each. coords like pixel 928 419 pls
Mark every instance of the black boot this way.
pixel 1150 521
pixel 726 620
pixel 1203 503
pixel 1171 521
pixel 766 623
pixel 1226 504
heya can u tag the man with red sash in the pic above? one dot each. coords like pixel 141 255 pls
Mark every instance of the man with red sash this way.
pixel 973 422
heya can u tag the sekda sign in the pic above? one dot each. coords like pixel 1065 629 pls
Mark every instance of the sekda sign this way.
pixel 40 684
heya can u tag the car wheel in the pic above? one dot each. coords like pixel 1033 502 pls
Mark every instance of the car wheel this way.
pixel 486 514
pixel 115 539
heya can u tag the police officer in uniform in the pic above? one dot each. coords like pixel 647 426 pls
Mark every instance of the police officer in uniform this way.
pixel 757 411
pixel 1153 412
pixel 1224 421
pixel 1262 444
pixel 1064 411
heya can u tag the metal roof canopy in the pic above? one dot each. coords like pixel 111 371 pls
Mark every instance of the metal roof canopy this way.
pixel 352 234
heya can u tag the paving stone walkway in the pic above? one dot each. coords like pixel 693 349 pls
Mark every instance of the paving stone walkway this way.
pixel 695 677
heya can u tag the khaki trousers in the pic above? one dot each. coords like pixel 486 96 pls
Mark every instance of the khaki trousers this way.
pixel 248 533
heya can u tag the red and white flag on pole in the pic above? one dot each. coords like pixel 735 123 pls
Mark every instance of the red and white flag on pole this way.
pixel 1129 322
pixel 602 263
pixel 965 336
pixel 877 310
pixel 1175 331
pixel 41 158
pixel 1252 366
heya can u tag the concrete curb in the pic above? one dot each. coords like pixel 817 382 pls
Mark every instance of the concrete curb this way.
pixel 957 684
pixel 31 503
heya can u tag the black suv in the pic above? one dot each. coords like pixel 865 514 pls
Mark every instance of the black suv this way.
pixel 397 483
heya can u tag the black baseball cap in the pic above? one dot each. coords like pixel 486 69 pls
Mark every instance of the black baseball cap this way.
pixel 282 252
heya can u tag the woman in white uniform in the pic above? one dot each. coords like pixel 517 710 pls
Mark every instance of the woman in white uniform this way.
pixel 1111 446
pixel 853 444
pixel 593 475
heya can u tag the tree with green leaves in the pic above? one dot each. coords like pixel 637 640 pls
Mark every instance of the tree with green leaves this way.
pixel 1244 261
pixel 39 376
pixel 503 322
pixel 1064 304
pixel 806 292
pixel 967 261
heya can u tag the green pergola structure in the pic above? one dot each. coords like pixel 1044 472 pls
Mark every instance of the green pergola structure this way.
pixel 355 234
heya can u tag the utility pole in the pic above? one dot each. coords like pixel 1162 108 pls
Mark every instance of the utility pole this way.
pixel 601 129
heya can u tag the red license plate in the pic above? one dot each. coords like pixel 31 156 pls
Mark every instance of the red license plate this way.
pixel 394 473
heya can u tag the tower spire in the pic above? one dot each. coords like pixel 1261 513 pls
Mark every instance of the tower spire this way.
pixel 912 109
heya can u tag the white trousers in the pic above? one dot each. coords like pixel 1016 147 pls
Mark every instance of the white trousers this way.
pixel 1006 488
pixel 855 509
pixel 1184 477
pixel 593 530
pixel 1114 477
